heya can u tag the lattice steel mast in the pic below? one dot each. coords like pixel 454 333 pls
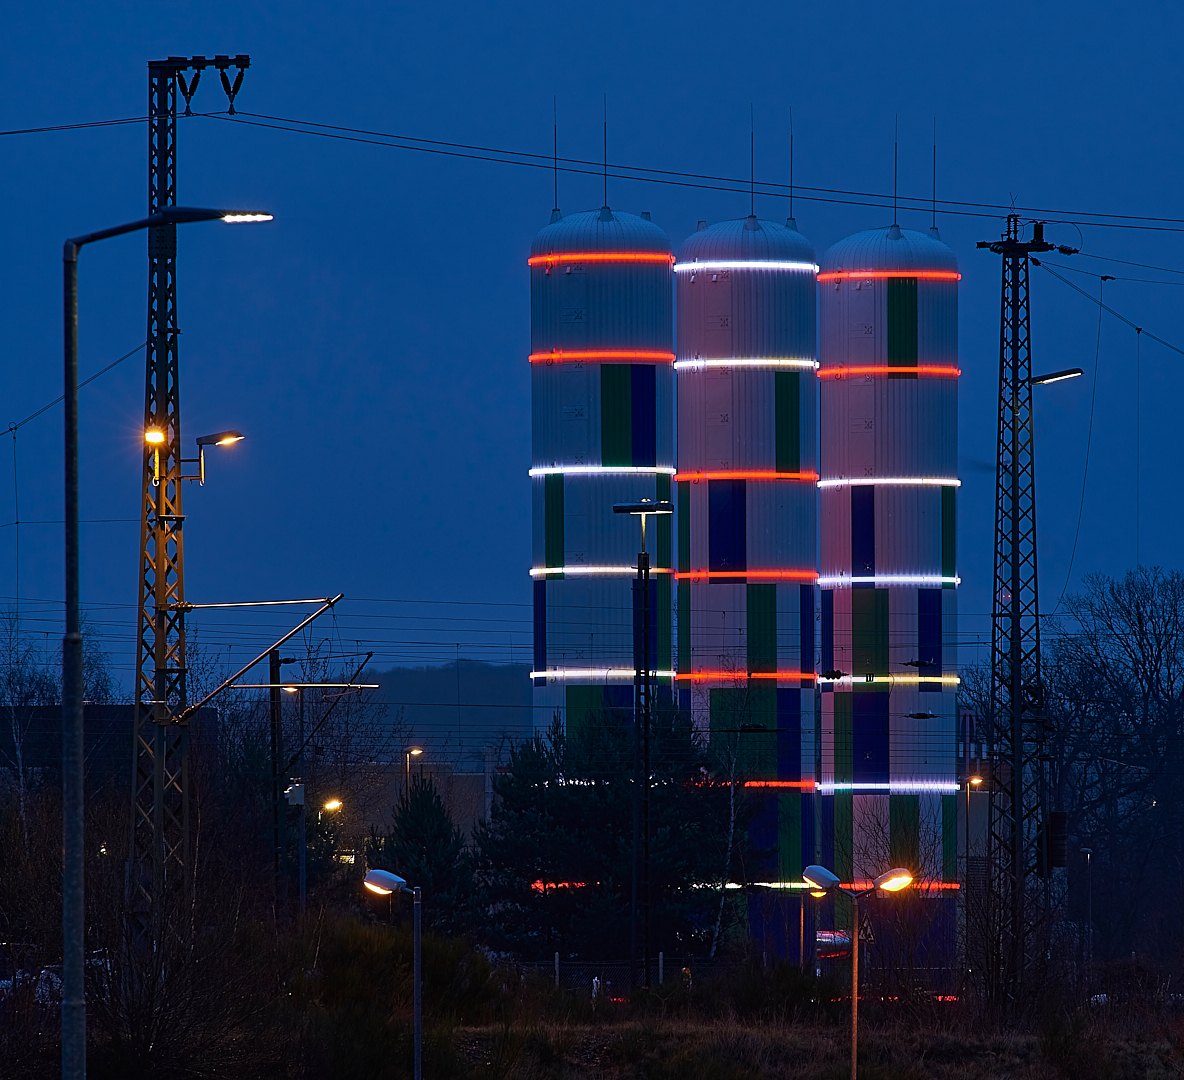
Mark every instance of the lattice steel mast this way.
pixel 1018 815
pixel 160 784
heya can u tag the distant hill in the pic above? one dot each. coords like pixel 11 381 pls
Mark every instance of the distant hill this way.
pixel 494 708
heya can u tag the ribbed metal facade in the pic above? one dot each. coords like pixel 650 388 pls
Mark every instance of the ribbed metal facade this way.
pixel 602 433
pixel 745 517
pixel 889 453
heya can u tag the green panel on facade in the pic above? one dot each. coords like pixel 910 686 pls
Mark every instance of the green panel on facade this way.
pixel 789 837
pixel 869 634
pixel 616 414
pixel 583 703
pixel 662 588
pixel 553 519
pixel 844 843
pixel 684 526
pixel 844 740
pixel 762 628
pixel 684 626
pixel 949 837
pixel 902 322
pixel 904 824
pixel 662 542
pixel 788 428
pixel 735 707
pixel 949 526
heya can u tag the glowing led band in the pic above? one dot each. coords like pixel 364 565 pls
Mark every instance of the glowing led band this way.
pixel 749 362
pixel 920 581
pixel 897 787
pixel 766 885
pixel 602 356
pixel 937 371
pixel 895 680
pixel 744 264
pixel 890 481
pixel 594 673
pixel 601 257
pixel 717 676
pixel 810 576
pixel 924 275
pixel 580 570
pixel 597 470
pixel 801 785
pixel 742 474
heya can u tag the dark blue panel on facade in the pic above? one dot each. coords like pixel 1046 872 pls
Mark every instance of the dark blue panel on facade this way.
pixel 727 551
pixel 929 637
pixel 789 734
pixel 645 414
pixel 828 634
pixel 863 532
pixel 637 621
pixel 808 857
pixel 806 605
pixel 869 733
pixel 826 805
pixel 762 834
pixel 618 699
pixel 684 705
pixel 540 629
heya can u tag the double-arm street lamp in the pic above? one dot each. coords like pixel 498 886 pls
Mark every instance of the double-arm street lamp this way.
pixel 384 883
pixel 73 851
pixel 823 883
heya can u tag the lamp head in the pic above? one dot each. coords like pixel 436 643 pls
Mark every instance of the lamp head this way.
pixel 894 880
pixel 415 751
pixel 220 438
pixel 333 804
pixel 822 880
pixel 384 882
pixel 1055 376
pixel 976 780
pixel 154 436
pixel 643 507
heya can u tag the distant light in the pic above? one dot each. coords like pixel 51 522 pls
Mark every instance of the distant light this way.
pixel 925 275
pixel 154 436
pixel 289 689
pixel 242 219
pixel 976 780
pixel 890 481
pixel 415 751
pixel 333 804
pixel 1055 376
pixel 894 880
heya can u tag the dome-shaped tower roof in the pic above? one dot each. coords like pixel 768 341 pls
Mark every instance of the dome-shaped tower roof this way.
pixel 747 239
pixel 890 248
pixel 600 230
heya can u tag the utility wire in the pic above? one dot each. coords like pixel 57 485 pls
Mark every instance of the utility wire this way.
pixel 58 400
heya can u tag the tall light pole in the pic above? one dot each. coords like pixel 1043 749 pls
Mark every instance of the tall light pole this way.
pixel 73 771
pixel 412 751
pixel 824 883
pixel 1089 917
pixel 385 883
pixel 643 697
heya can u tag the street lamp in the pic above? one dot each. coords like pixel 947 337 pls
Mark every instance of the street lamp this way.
pixel 1089 882
pixel 1055 376
pixel 384 883
pixel 643 694
pixel 971 783
pixel 412 751
pixel 73 853
pixel 823 883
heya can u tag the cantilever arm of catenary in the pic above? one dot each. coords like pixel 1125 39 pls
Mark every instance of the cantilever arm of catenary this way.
pixel 326 606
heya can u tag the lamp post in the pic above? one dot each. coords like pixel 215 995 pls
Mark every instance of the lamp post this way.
pixel 73 851
pixel 384 883
pixel 643 695
pixel 971 783
pixel 824 883
pixel 1089 911
pixel 302 826
pixel 412 751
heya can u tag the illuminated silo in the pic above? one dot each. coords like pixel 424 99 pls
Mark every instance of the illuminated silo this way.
pixel 602 433
pixel 889 451
pixel 746 521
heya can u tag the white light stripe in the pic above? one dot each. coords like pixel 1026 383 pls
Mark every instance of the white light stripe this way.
pixel 579 570
pixel 892 680
pixel 745 264
pixel 594 673
pixel 749 362
pixel 766 885
pixel 898 787
pixel 894 481
pixel 923 581
pixel 596 470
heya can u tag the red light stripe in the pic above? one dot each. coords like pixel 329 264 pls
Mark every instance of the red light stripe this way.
pixel 803 785
pixel 928 275
pixel 715 676
pixel 939 371
pixel 742 475
pixel 604 356
pixel 601 257
pixel 725 575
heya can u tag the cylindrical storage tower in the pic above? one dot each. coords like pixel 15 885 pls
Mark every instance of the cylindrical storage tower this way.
pixel 889 441
pixel 745 516
pixel 602 379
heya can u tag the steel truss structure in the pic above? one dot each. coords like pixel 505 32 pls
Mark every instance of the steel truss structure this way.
pixel 158 870
pixel 1018 827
